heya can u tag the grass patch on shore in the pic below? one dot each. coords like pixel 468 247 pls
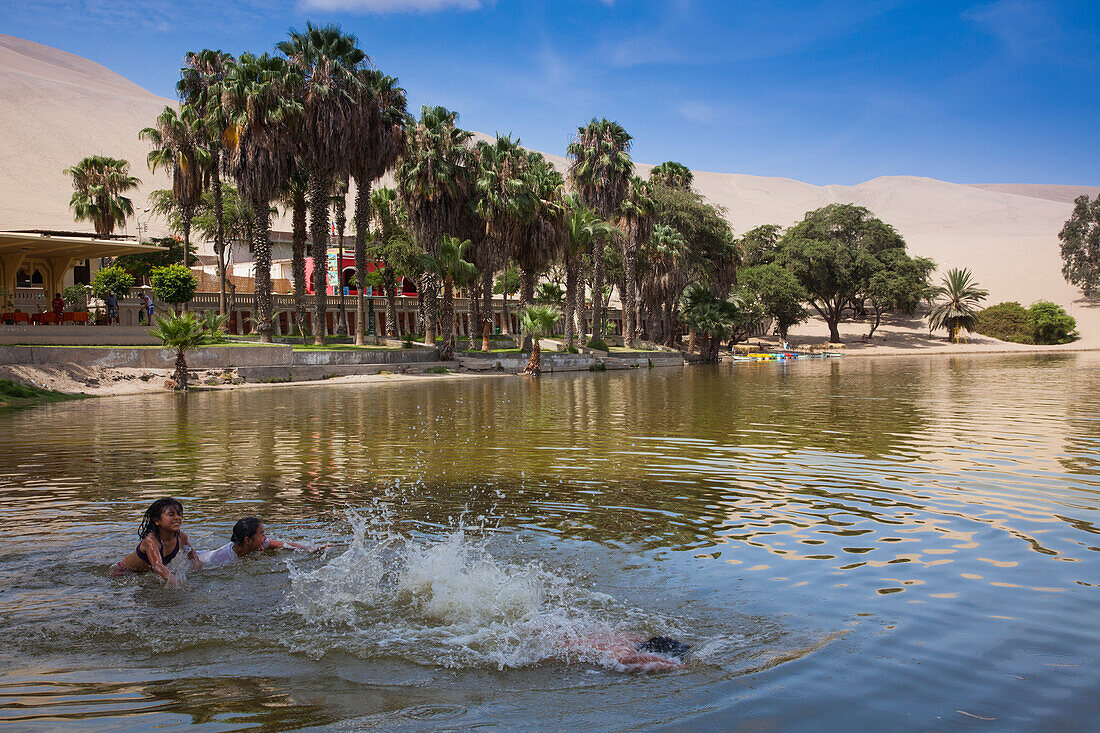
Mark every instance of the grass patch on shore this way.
pixel 513 350
pixel 14 394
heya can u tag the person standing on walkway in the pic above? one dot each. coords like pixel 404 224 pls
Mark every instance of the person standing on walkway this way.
pixel 59 308
pixel 112 308
pixel 147 308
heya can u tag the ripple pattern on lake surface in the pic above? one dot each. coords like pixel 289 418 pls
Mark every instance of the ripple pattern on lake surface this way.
pixel 907 543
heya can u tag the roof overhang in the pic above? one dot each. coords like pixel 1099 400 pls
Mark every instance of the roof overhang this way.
pixel 36 244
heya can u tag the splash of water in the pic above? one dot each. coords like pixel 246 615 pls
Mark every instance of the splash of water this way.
pixel 446 599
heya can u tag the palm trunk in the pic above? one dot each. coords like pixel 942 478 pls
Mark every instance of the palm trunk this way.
pixel 526 298
pixel 506 320
pixel 362 216
pixel 431 308
pixel 597 290
pixel 298 262
pixel 341 225
pixel 447 352
pixel 578 303
pixel 421 328
pixel 219 231
pixel 534 364
pixel 570 301
pixel 186 221
pixel 475 311
pixel 390 284
pixel 319 186
pixel 487 294
pixel 630 299
pixel 261 246
pixel 181 370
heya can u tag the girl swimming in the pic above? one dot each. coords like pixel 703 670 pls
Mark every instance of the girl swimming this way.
pixel 161 541
pixel 249 535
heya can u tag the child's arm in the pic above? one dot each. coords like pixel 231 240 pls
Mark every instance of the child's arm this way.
pixel 152 551
pixel 196 563
pixel 280 544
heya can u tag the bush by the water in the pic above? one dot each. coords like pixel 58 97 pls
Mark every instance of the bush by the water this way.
pixel 598 344
pixel 1042 323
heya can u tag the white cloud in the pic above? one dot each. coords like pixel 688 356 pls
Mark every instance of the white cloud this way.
pixel 1020 25
pixel 392 6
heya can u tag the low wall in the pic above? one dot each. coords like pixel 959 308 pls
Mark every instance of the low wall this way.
pixel 556 362
pixel 364 356
pixel 208 357
pixel 78 335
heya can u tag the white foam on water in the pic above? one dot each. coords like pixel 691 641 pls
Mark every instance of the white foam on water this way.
pixel 446 600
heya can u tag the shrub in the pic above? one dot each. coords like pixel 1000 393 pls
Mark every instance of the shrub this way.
pixel 173 283
pixel 1007 322
pixel 1043 323
pixel 112 278
pixel 598 344
pixel 1051 323
pixel 76 297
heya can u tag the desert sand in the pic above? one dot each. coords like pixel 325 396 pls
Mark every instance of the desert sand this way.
pixel 56 108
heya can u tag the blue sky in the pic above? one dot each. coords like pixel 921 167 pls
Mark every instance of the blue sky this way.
pixel 825 92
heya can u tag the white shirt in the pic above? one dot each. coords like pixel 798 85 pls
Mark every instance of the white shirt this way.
pixel 224 555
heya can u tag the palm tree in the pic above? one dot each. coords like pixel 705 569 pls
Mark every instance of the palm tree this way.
pixel 583 227
pixel 434 182
pixel 537 322
pixel 636 218
pixel 263 112
pixel 710 316
pixel 600 174
pixel 178 145
pixel 399 256
pixel 380 142
pixel 672 174
pixel 200 83
pixel 340 216
pixel 182 333
pixel 329 62
pixel 449 266
pixel 294 198
pixel 98 183
pixel 545 235
pixel 956 303
pixel 662 263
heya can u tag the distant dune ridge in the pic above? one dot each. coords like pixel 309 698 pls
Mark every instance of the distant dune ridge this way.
pixel 56 108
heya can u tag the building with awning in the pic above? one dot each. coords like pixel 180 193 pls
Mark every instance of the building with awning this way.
pixel 53 255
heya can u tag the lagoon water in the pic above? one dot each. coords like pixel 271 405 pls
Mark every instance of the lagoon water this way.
pixel 860 544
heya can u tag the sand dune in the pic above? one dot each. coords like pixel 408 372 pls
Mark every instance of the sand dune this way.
pixel 56 108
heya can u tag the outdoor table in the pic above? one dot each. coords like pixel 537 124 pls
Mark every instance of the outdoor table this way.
pixel 44 318
pixel 17 317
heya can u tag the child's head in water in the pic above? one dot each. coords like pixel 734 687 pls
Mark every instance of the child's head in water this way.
pixel 665 645
pixel 249 535
pixel 159 515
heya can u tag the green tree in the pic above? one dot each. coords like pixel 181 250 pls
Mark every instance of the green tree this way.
pixel 779 293
pixel 393 247
pixel 537 321
pixel 173 284
pixel 583 227
pixel 182 333
pixel 201 80
pixel 1052 324
pixel 328 62
pixel 259 98
pixel 112 279
pixel 1080 239
pixel 712 318
pixel 897 282
pixel 759 245
pixel 434 182
pixel 380 141
pixel 1007 322
pixel 600 174
pixel 833 252
pixel 637 216
pixel 141 266
pixel 178 145
pixel 673 175
pixel 449 266
pixel 98 183
pixel 956 303
pixel 663 269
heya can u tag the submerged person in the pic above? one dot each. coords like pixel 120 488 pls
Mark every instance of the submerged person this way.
pixel 655 654
pixel 161 540
pixel 249 535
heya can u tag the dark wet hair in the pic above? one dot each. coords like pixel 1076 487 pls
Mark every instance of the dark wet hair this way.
pixel 245 528
pixel 665 645
pixel 152 514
